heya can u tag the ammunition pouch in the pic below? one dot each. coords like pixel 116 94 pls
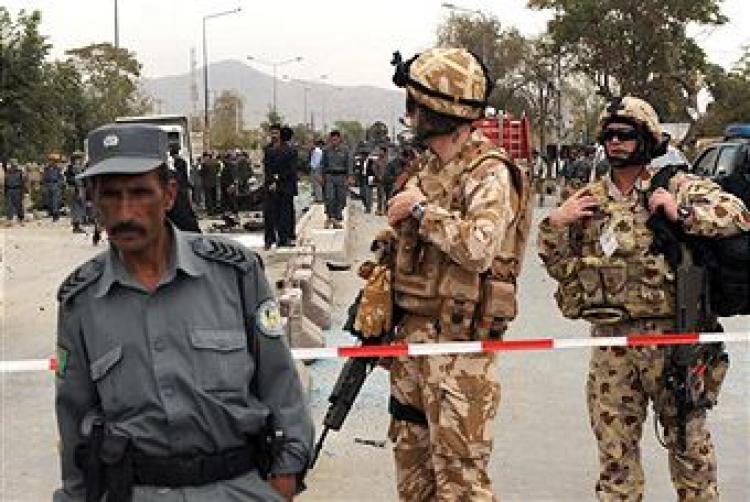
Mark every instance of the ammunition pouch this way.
pixel 497 308
pixel 417 273
pixel 459 294
pixel 406 412
pixel 611 290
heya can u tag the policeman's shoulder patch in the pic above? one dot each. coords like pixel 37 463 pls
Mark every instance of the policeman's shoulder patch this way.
pixel 80 279
pixel 268 319
pixel 62 356
pixel 226 251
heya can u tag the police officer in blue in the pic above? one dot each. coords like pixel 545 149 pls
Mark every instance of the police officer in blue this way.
pixel 174 382
pixel 52 185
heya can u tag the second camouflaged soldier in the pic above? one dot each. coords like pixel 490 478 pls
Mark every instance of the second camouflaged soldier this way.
pixel 461 229
pixel 174 380
pixel 598 247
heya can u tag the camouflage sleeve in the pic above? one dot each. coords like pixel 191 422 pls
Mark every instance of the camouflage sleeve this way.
pixel 553 245
pixel 715 213
pixel 471 239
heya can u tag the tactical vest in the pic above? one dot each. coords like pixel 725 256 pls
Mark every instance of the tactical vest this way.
pixel 467 305
pixel 612 277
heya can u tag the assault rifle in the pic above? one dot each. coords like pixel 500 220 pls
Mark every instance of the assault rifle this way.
pixel 687 367
pixel 348 384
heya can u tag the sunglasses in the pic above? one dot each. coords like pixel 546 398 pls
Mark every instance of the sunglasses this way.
pixel 621 134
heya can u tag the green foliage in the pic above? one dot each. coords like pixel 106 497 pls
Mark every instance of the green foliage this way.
pixel 22 85
pixel 731 93
pixel 351 130
pixel 50 106
pixel 272 117
pixel 635 47
pixel 502 51
pixel 110 75
pixel 227 125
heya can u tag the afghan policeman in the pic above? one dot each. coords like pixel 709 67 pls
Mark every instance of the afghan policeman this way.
pixel 15 185
pixel 77 192
pixel 209 179
pixel 337 167
pixel 598 246
pixel 461 226
pixel 52 184
pixel 174 382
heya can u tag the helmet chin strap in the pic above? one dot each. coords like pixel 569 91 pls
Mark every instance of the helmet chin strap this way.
pixel 639 157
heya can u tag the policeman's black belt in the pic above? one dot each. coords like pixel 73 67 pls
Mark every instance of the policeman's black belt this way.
pixel 335 173
pixel 406 412
pixel 194 470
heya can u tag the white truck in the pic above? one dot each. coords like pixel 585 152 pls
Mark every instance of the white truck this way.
pixel 177 128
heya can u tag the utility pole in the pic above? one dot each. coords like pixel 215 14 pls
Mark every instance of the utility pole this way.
pixel 559 111
pixel 117 28
pixel 275 65
pixel 206 125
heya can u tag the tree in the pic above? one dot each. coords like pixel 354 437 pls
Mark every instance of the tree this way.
pixel 352 130
pixel 731 94
pixel 502 52
pixel 227 124
pixel 638 47
pixel 110 76
pixel 22 85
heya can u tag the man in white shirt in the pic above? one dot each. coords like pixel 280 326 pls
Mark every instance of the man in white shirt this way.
pixel 316 175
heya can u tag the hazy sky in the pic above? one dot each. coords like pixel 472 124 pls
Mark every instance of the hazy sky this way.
pixel 349 40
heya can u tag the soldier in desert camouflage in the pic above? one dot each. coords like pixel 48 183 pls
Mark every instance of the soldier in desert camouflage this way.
pixel 598 247
pixel 460 232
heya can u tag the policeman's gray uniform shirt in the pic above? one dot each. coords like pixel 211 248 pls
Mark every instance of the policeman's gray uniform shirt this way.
pixel 336 165
pixel 337 160
pixel 171 369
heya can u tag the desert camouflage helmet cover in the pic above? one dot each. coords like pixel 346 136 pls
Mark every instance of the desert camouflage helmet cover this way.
pixel 453 72
pixel 634 111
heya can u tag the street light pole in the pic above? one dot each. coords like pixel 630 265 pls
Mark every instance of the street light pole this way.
pixel 206 125
pixel 117 28
pixel 274 65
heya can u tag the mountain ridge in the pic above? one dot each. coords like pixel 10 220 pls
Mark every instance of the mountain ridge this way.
pixel 325 102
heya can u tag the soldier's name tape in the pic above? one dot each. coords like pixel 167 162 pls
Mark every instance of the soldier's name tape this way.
pixel 429 349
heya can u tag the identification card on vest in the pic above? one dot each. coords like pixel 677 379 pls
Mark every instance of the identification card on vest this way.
pixel 608 241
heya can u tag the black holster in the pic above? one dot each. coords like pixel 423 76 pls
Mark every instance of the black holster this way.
pixel 107 466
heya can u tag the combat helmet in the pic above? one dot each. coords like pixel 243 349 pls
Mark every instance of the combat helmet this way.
pixel 641 115
pixel 449 81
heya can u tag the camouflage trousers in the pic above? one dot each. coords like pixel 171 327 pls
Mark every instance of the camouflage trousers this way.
pixel 621 382
pixel 447 459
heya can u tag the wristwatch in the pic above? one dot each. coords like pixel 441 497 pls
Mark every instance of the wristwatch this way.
pixel 417 210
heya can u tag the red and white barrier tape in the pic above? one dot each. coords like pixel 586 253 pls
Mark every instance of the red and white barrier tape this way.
pixel 427 349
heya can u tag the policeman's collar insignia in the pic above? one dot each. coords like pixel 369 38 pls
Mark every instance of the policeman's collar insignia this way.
pixel 268 319
pixel 63 355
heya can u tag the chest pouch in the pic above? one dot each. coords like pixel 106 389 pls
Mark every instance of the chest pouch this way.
pixel 459 296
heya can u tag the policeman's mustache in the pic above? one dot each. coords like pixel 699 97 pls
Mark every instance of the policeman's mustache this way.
pixel 126 226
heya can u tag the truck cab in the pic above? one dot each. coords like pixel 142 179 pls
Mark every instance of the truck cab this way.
pixel 177 128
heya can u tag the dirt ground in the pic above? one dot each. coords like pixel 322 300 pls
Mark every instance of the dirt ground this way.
pixel 544 450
